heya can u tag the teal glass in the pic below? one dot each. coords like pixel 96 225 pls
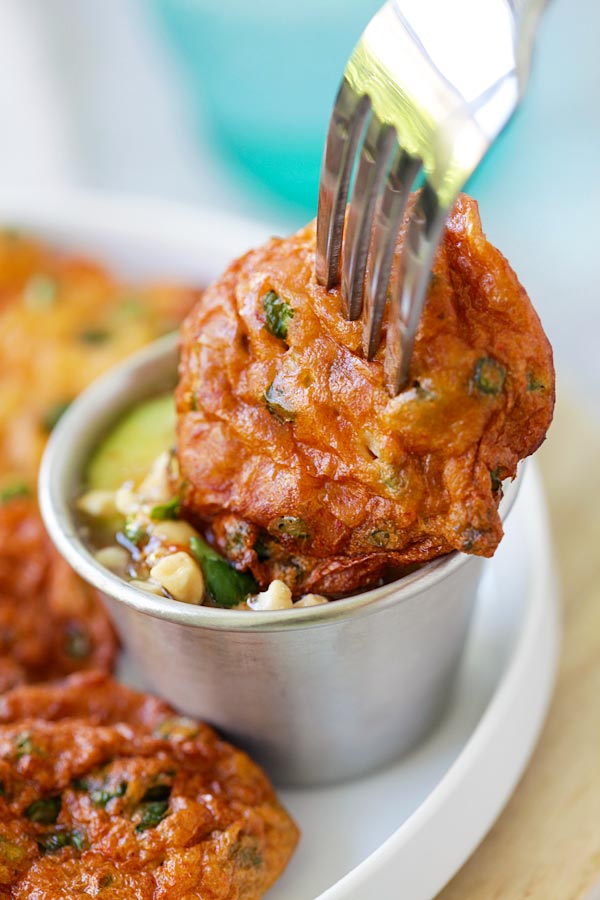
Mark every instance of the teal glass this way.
pixel 263 77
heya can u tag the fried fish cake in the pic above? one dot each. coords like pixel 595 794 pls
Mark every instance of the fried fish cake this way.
pixel 51 622
pixel 293 452
pixel 106 792
pixel 63 321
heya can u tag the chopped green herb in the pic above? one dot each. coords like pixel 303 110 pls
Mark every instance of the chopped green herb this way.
pixel 226 586
pixel 40 292
pixel 157 793
pixel 177 728
pixel 105 881
pixel 151 814
pixel 380 538
pixel 12 491
pixel 102 797
pixel 10 851
pixel 24 746
pixel 393 478
pixel 292 526
pixel 249 857
pixel 164 511
pixel 56 840
pixel 496 478
pixel 236 538
pixel 44 811
pixel 53 415
pixel 276 404
pixel 135 532
pixel 81 784
pixel 534 384
pixel 489 375
pixel 77 642
pixel 130 307
pixel 471 536
pixel 95 336
pixel 277 313
pixel 261 548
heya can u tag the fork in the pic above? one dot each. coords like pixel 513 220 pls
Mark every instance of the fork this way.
pixel 428 88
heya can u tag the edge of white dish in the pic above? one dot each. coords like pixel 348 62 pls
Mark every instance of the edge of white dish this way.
pixel 500 746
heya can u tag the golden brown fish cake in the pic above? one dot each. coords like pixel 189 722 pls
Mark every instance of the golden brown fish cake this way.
pixel 63 321
pixel 51 622
pixel 293 452
pixel 107 792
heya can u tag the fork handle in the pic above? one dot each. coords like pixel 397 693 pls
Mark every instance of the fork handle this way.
pixel 527 16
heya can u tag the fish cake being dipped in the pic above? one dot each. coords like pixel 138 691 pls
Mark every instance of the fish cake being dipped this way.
pixel 296 458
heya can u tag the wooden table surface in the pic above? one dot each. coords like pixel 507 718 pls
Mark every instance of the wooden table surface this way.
pixel 546 843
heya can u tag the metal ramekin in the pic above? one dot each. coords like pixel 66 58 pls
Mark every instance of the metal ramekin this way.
pixel 316 695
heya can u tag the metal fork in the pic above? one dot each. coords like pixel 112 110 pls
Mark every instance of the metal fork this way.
pixel 429 87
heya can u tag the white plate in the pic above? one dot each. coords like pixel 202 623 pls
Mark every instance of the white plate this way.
pixel 404 831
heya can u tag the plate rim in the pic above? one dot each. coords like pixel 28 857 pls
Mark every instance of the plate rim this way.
pixel 519 702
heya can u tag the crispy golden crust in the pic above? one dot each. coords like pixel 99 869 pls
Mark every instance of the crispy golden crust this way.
pixel 293 451
pixel 106 792
pixel 51 622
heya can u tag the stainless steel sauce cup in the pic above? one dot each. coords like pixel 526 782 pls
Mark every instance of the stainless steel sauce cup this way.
pixel 317 694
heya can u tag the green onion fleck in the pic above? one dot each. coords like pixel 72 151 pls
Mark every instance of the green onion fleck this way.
pixel 151 814
pixel 54 414
pixel 101 797
pixel 380 537
pixel 135 532
pixel 44 811
pixel 40 292
pixel 94 336
pixel 276 404
pixel 534 384
pixel 77 643
pixel 56 840
pixel 292 526
pixel 489 375
pixel 13 491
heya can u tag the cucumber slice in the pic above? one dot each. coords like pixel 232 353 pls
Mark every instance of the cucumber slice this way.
pixel 133 445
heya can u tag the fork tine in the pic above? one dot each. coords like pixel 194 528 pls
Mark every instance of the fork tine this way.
pixel 422 238
pixel 372 166
pixel 345 127
pixel 390 212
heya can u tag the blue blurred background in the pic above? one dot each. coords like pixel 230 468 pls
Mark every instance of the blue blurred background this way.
pixel 224 104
